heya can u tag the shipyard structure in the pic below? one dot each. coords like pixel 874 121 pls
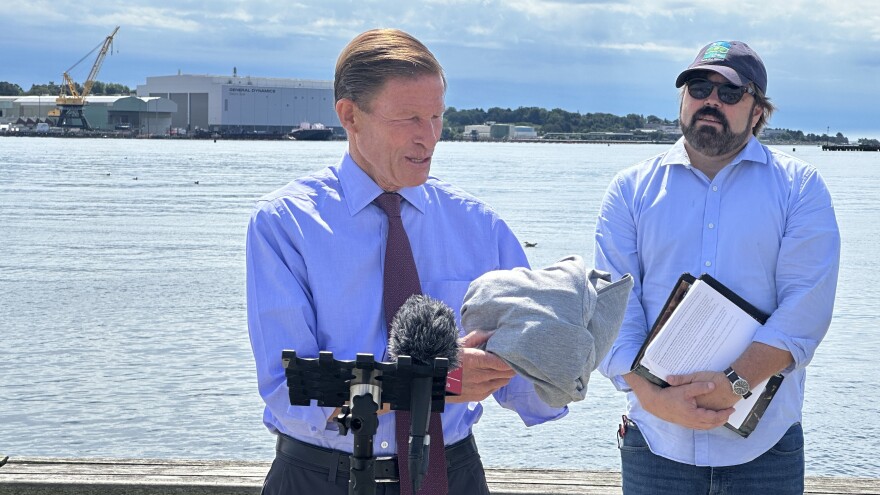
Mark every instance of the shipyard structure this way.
pixel 243 105
pixel 186 104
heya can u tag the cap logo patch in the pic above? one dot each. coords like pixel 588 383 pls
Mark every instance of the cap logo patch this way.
pixel 717 51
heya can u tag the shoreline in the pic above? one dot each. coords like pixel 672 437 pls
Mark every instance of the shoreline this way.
pixel 270 137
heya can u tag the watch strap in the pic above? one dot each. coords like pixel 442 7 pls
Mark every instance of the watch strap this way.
pixel 734 377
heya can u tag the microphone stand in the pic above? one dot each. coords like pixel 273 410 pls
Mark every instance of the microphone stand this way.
pixel 365 384
pixel 361 419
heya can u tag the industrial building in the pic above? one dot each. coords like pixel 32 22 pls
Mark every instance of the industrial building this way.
pixel 499 132
pixel 147 115
pixel 182 104
pixel 243 105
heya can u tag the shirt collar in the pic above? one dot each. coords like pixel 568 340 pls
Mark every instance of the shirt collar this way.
pixel 359 190
pixel 752 152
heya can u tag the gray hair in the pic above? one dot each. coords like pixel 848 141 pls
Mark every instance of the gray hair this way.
pixel 374 57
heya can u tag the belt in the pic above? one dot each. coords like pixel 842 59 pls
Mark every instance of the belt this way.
pixel 339 462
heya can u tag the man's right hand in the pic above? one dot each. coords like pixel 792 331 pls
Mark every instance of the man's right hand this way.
pixel 678 404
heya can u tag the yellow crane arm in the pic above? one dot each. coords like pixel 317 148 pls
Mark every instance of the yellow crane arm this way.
pixel 71 86
pixel 75 97
pixel 108 42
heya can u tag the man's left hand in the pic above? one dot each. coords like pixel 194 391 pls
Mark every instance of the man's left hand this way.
pixel 482 372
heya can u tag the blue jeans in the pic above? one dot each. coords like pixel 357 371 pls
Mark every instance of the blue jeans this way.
pixel 779 471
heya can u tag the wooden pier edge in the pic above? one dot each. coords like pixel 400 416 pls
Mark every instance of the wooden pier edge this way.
pixel 39 476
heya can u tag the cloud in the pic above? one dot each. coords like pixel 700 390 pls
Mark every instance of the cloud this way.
pixel 618 56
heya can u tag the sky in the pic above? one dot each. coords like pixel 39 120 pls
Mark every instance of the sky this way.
pixel 822 58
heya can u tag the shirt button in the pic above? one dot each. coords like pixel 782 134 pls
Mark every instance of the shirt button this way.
pixel 708 263
pixel 711 225
pixel 384 445
pixel 715 188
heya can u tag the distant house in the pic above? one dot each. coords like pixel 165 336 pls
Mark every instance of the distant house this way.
pixel 524 132
pixel 477 132
pixel 501 132
pixel 772 133
pixel 6 107
pixel 668 131
pixel 498 132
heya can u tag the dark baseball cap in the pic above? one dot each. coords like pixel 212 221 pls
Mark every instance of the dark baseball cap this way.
pixel 734 60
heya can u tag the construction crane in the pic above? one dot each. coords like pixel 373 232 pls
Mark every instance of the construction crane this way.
pixel 70 106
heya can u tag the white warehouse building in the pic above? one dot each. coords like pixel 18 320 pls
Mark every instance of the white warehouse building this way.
pixel 241 105
pixel 493 131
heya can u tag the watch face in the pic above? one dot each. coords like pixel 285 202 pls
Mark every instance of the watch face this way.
pixel 740 387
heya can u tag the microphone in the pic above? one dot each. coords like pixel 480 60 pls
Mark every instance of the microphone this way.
pixel 423 329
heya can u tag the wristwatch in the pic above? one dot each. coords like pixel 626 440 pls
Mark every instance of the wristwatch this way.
pixel 739 384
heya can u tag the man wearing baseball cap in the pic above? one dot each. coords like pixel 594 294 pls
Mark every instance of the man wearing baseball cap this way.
pixel 718 202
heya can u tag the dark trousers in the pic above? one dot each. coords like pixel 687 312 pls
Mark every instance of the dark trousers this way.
pixel 305 470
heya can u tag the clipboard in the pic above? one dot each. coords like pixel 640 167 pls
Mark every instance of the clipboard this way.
pixel 676 296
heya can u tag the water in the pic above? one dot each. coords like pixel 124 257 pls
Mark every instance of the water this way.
pixel 122 300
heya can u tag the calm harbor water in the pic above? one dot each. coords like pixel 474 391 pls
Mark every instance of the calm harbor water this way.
pixel 122 297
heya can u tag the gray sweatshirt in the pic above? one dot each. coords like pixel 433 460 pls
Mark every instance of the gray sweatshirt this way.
pixel 553 326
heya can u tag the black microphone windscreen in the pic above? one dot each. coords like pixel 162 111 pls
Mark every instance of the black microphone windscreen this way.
pixel 424 329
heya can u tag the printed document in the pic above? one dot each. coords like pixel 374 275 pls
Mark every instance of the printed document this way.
pixel 706 331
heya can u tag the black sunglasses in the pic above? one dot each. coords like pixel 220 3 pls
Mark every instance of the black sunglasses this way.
pixel 728 93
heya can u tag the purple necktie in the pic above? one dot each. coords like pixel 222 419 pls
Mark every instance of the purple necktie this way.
pixel 401 280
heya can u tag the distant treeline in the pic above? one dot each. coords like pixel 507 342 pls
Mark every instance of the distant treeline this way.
pixel 557 120
pixel 547 121
pixel 50 88
pixel 790 136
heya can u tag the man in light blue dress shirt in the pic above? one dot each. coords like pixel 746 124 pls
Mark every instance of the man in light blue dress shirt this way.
pixel 762 223
pixel 315 252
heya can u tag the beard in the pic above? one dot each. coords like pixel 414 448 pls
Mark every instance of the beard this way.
pixel 710 141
